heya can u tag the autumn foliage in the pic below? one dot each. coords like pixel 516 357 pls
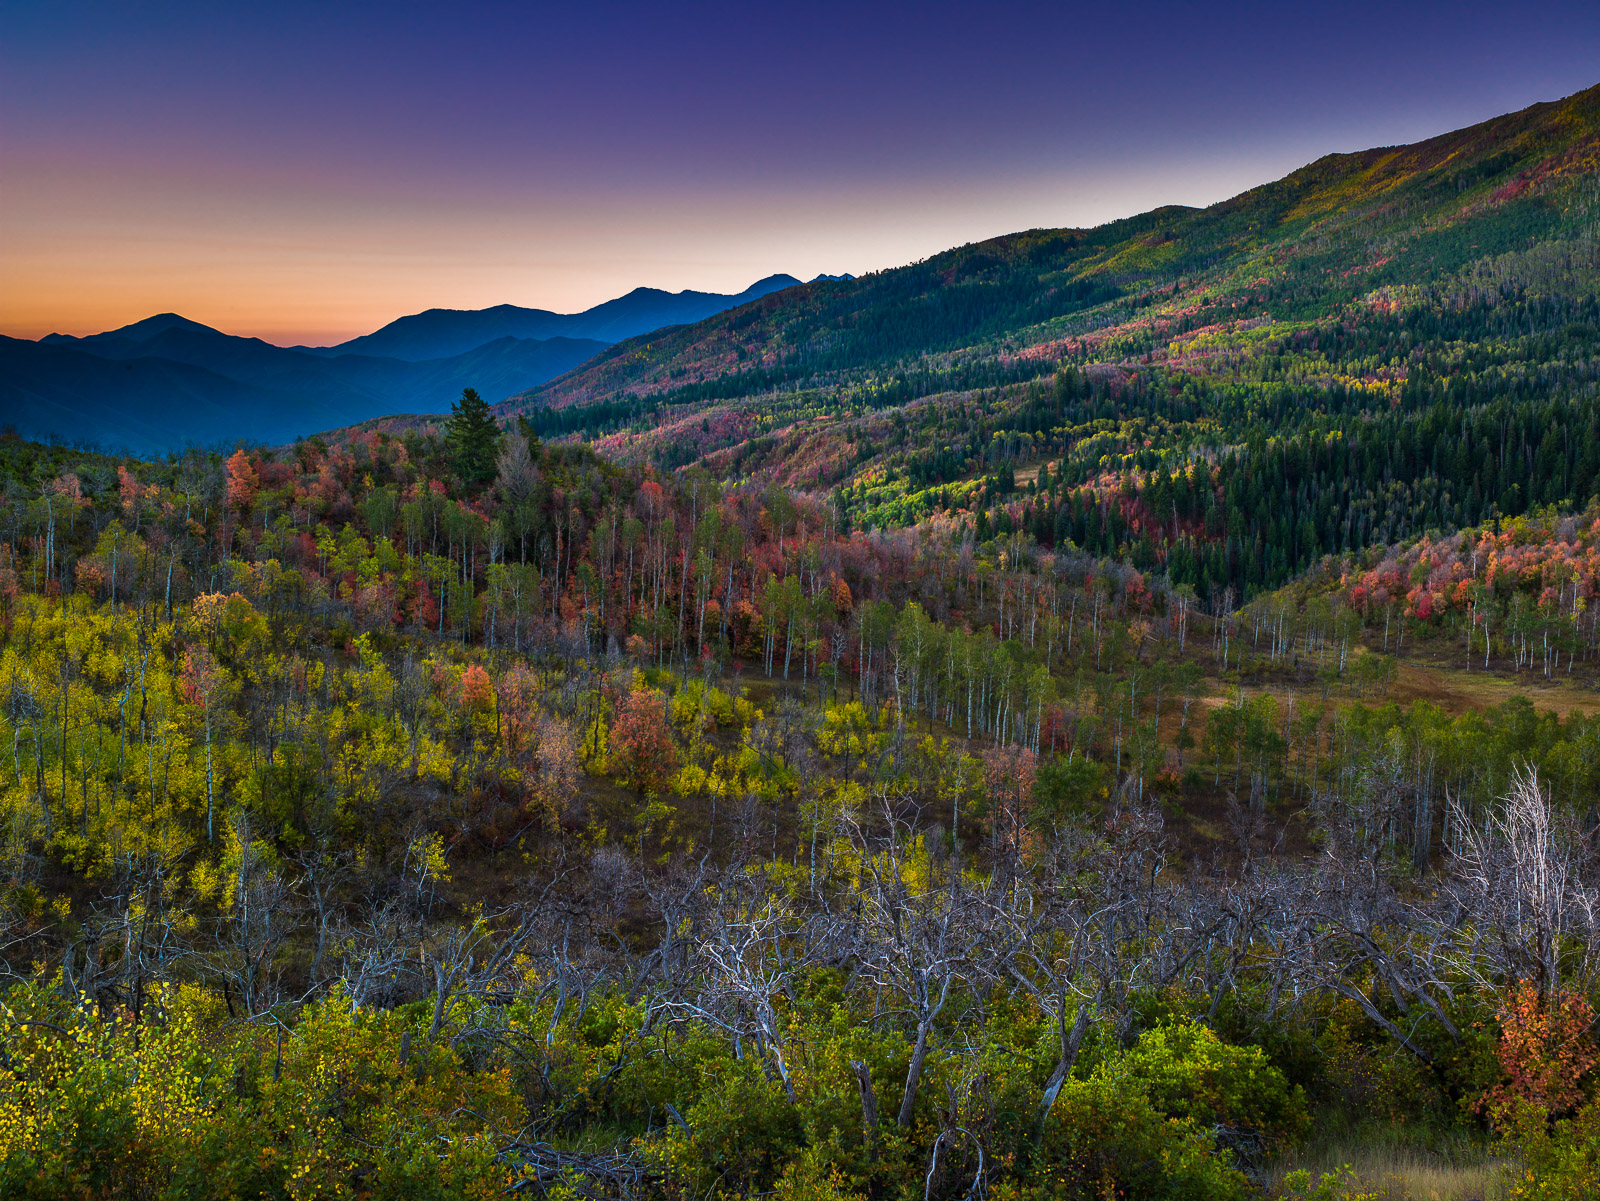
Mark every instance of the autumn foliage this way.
pixel 242 481
pixel 643 739
pixel 1546 1049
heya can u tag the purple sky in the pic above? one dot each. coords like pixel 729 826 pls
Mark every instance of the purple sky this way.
pixel 306 172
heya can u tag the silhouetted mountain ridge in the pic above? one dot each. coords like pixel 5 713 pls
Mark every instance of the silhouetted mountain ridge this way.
pixel 438 333
pixel 166 381
pixel 138 331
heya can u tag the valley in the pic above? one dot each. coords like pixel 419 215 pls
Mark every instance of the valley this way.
pixel 1095 712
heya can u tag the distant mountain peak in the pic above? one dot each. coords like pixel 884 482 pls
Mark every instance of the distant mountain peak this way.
pixel 138 331
pixel 439 333
pixel 150 327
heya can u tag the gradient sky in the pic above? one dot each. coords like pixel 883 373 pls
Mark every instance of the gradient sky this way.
pixel 305 172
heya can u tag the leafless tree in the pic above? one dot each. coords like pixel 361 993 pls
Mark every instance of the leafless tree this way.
pixel 471 962
pixel 323 872
pixel 1526 891
pixel 917 937
pixel 1365 923
pixel 257 917
pixel 378 953
pixel 748 956
pixel 516 474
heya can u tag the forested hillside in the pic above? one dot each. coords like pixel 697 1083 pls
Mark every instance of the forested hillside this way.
pixel 1135 736
pixel 1379 345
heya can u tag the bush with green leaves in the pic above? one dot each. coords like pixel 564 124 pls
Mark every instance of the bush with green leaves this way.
pixel 1104 1138
pixel 1557 1161
pixel 1186 1071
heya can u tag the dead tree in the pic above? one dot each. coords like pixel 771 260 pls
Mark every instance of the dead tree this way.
pixel 748 957
pixel 916 937
pixel 1525 890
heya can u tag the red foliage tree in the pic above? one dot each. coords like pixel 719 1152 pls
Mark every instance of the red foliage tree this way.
pixel 1008 774
pixel 477 692
pixel 643 740
pixel 424 609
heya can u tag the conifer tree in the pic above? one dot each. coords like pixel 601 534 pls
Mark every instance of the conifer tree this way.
pixel 474 438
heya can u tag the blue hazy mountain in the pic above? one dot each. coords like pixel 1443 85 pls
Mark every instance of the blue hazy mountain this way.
pixel 145 405
pixel 166 382
pixel 438 333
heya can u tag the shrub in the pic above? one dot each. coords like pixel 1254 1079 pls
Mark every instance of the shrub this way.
pixel 1104 1138
pixel 1186 1071
pixel 741 1133
pixel 1545 1051
pixel 1340 1185
pixel 1559 1161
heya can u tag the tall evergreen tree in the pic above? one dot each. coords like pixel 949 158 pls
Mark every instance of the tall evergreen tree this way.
pixel 474 438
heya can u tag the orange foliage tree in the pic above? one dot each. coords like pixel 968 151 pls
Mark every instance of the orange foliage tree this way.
pixel 1545 1050
pixel 242 481
pixel 477 692
pixel 1008 777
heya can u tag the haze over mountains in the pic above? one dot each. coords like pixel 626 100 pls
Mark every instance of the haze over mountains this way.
pixel 438 333
pixel 166 381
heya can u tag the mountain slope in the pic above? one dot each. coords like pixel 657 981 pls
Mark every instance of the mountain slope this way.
pixel 1304 245
pixel 497 368
pixel 1383 345
pixel 439 333
pixel 112 387
pixel 147 404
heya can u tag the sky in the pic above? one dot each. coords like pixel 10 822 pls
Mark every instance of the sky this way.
pixel 306 172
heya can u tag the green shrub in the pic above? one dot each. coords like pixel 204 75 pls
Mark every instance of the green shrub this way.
pixel 742 1132
pixel 1341 1185
pixel 1186 1071
pixel 1560 1161
pixel 1104 1138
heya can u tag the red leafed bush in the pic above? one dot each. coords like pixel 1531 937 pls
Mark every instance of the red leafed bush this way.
pixel 1545 1050
pixel 477 692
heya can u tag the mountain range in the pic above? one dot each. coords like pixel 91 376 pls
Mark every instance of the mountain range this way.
pixel 439 333
pixel 1186 325
pixel 166 381
pixel 1352 295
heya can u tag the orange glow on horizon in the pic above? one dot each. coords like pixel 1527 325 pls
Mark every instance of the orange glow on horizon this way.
pixel 84 250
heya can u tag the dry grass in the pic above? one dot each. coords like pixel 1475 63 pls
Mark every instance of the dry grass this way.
pixel 1451 688
pixel 1402 1173
pixel 1456 690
